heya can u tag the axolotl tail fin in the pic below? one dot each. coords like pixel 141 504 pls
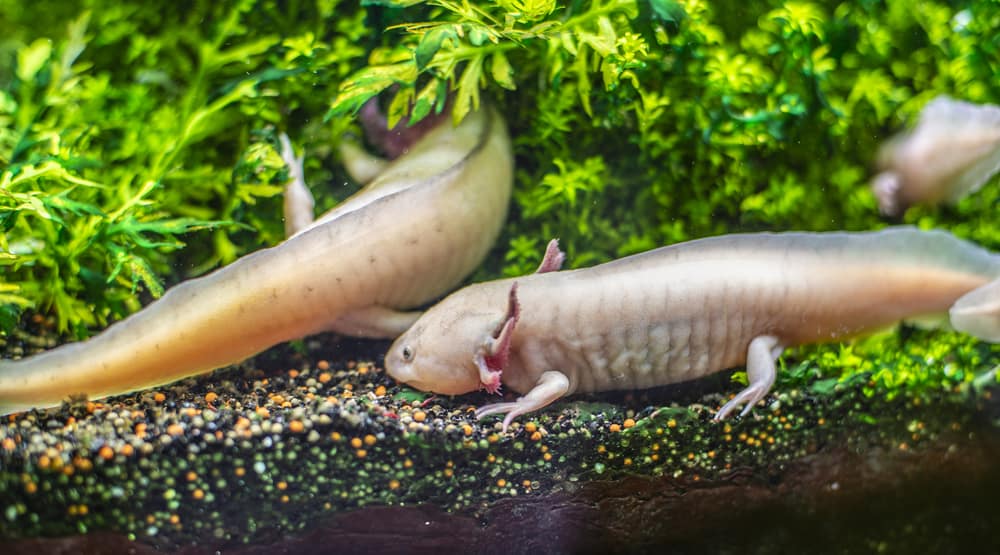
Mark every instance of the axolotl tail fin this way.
pixel 978 312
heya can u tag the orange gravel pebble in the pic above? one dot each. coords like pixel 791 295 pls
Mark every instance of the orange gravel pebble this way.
pixel 325 377
pixel 380 390
pixel 323 365
pixel 296 426
pixel 8 444
pixel 419 416
pixel 106 453
pixel 530 427
pixel 127 450
pixel 159 397
pixel 175 430
pixel 84 465
pixel 198 494
pixel 615 428
pixel 211 397
pixel 629 422
pixel 370 440
pixel 356 442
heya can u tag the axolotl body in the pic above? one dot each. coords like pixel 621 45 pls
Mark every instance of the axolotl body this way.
pixel 684 311
pixel 423 222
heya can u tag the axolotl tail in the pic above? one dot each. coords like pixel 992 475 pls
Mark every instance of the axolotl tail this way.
pixel 199 325
pixel 978 312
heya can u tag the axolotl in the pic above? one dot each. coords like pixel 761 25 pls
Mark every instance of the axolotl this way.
pixel 424 222
pixel 953 150
pixel 685 311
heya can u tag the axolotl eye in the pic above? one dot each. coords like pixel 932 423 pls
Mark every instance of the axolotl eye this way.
pixel 407 353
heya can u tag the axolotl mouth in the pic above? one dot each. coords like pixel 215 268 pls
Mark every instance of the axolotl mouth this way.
pixel 404 375
pixel 443 380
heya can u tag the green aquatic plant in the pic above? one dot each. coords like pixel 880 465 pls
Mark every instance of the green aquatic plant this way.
pixel 130 131
pixel 136 131
pixel 673 120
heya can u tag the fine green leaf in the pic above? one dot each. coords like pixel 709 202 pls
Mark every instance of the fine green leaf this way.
pixel 31 59
pixel 430 43
pixel 501 71
pixel 467 95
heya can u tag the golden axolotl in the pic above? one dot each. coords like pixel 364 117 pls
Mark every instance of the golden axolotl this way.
pixel 684 311
pixel 423 223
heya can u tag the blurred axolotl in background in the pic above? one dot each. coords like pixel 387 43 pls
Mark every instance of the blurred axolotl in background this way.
pixel 953 150
pixel 685 311
pixel 422 223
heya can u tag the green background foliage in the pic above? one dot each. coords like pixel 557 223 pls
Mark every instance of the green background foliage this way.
pixel 129 130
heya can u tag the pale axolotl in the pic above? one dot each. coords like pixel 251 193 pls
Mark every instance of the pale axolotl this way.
pixel 953 151
pixel 684 311
pixel 422 224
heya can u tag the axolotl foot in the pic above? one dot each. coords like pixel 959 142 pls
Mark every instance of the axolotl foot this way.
pixel 761 371
pixel 551 386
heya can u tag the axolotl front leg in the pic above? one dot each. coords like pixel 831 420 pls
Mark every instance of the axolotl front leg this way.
pixel 551 385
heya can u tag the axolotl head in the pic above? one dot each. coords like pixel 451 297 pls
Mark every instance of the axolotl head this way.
pixel 459 345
